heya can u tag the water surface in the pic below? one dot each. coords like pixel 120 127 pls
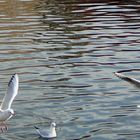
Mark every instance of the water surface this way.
pixel 65 53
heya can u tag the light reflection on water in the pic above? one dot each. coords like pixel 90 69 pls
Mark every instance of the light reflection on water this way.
pixel 66 53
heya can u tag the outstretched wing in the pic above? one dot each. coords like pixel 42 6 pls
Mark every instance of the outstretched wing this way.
pixel 128 79
pixel 12 91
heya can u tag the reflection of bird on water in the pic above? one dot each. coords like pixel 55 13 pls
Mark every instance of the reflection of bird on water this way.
pixel 51 133
pixel 5 110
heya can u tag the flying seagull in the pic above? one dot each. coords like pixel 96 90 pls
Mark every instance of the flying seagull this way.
pixel 51 133
pixel 5 109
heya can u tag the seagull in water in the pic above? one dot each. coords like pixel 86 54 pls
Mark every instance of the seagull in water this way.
pixel 5 109
pixel 51 133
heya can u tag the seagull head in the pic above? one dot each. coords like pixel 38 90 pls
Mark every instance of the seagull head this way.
pixel 11 112
pixel 7 114
pixel 53 124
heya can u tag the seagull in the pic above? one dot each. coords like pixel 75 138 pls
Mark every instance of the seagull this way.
pixel 6 112
pixel 51 133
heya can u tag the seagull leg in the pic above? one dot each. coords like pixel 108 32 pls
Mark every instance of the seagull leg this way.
pixel 6 127
pixel 3 127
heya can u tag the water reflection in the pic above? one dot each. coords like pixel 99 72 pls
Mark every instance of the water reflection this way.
pixel 65 53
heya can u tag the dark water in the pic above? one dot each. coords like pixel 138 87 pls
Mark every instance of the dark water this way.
pixel 65 53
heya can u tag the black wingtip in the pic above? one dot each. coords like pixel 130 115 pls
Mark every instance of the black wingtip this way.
pixel 36 127
pixel 11 79
pixel 15 74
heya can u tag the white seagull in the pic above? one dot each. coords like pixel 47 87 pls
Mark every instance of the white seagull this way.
pixel 51 133
pixel 5 109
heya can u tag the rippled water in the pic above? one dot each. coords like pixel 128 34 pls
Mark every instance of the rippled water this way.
pixel 65 54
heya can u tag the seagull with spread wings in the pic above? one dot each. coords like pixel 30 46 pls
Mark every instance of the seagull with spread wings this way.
pixel 5 109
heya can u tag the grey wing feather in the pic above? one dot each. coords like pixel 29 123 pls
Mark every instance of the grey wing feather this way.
pixel 12 91
pixel 41 132
pixel 128 79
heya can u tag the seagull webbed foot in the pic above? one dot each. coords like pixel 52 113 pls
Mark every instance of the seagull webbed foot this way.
pixel 3 127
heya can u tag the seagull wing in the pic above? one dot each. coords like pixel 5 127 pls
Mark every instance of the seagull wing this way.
pixel 128 79
pixel 42 132
pixel 12 91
